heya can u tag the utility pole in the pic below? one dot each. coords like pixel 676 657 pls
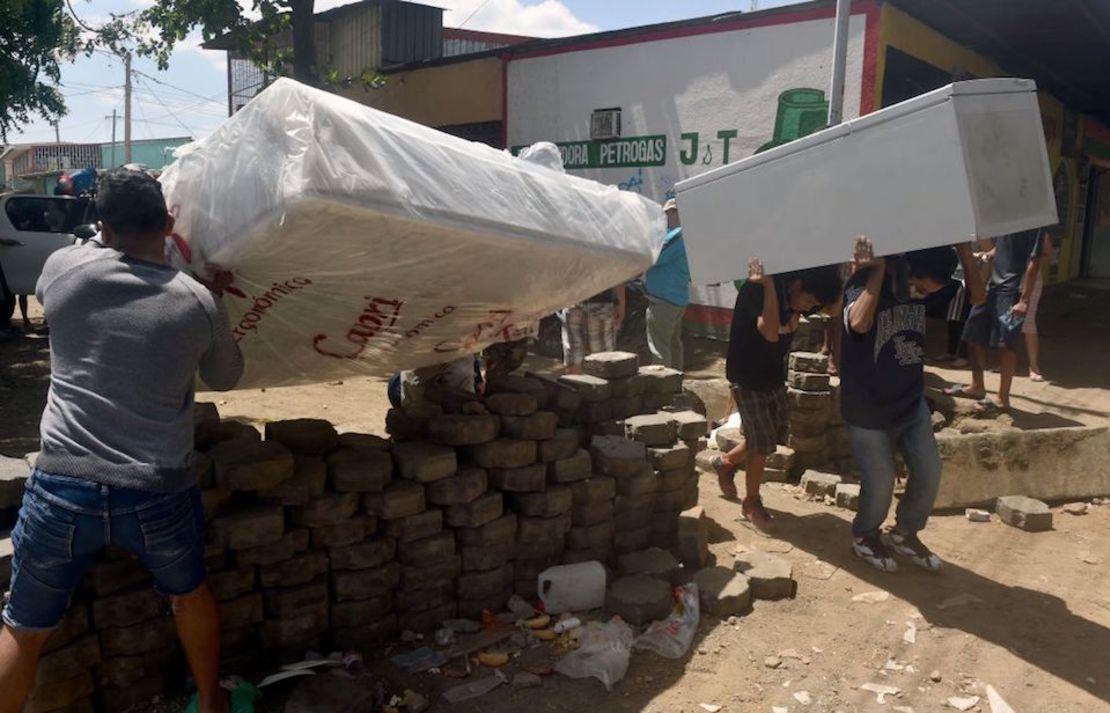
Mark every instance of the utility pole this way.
pixel 126 108
pixel 113 118
pixel 840 60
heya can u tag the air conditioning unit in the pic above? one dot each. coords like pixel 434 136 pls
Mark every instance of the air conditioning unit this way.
pixel 605 124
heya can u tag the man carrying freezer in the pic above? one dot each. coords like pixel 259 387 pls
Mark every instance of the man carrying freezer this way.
pixel 128 336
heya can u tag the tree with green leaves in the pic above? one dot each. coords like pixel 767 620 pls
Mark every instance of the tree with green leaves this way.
pixel 35 36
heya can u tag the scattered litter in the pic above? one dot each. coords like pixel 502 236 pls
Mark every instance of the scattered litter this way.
pixel 493 659
pixel 603 652
pixel 462 626
pixel 520 608
pixel 881 691
pixel 772 662
pixel 935 676
pixel 1077 508
pixel 410 636
pixel 671 637
pixel 525 679
pixel 709 707
pixel 467 645
pixel 959 600
pixel 871 597
pixel 1089 558
pixel 568 624
pixel 473 689
pixel 779 709
pixel 419 661
pixel 963 704
pixel 816 650
pixel 977 515
pixel 445 637
pixel 540 622
pixel 998 705
pixel 910 635
pixel 285 675
pixel 803 698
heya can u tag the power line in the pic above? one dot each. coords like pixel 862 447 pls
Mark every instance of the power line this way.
pixel 172 86
pixel 472 14
pixel 173 114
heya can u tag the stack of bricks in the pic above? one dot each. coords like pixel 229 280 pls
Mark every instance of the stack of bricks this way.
pixel 811 401
pixel 319 540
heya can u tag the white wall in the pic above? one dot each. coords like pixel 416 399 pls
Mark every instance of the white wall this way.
pixel 703 84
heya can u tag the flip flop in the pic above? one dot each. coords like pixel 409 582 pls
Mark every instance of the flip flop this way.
pixel 1038 378
pixel 962 391
pixel 987 407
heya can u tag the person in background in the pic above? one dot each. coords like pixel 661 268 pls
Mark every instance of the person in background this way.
pixel 1029 328
pixel 590 327
pixel 763 324
pixel 7 297
pixel 997 323
pixel 668 290
pixel 882 383
pixel 117 460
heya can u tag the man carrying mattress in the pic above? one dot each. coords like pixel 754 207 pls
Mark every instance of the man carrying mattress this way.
pixel 128 336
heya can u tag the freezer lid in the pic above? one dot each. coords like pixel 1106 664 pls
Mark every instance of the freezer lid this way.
pixel 974 87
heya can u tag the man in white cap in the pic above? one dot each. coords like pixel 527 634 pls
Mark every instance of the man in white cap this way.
pixel 668 290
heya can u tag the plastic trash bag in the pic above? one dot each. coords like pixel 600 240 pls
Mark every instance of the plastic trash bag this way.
pixel 603 653
pixel 671 637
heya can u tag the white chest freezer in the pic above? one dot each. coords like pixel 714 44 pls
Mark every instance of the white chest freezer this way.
pixel 966 159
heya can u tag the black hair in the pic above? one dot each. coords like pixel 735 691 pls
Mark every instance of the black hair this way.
pixel 822 282
pixel 936 264
pixel 131 203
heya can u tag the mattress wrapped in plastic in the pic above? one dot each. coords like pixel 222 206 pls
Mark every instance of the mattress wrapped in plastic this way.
pixel 362 243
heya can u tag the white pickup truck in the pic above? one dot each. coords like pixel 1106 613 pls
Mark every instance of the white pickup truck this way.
pixel 32 227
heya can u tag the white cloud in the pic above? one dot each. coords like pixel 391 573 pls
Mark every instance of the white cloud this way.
pixel 548 18
pixel 191 46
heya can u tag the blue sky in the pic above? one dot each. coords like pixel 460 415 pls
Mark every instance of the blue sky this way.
pixel 190 98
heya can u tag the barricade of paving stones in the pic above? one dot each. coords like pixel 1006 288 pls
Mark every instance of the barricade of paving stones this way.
pixel 318 539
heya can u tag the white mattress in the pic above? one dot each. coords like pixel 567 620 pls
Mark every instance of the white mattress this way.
pixel 362 243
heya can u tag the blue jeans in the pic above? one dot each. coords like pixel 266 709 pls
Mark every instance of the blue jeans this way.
pixel 874 451
pixel 65 522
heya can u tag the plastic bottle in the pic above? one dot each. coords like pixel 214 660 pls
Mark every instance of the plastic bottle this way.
pixel 568 624
pixel 572 587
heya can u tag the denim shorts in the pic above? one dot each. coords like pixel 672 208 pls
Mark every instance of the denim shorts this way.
pixel 66 522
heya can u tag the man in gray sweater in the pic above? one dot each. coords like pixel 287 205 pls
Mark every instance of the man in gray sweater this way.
pixel 128 335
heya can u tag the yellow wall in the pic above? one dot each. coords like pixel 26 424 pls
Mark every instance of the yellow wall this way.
pixel 457 93
pixel 899 30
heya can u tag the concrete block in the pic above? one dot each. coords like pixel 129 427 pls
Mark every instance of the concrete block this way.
pixel 660 380
pixel 249 527
pixel 401 499
pixel 577 467
pixel 1024 513
pixel 503 454
pixel 590 536
pixel 611 365
pixel 809 363
pixel 781 459
pixel 430 549
pixel 512 404
pixel 301 569
pixel 102 579
pixel 808 382
pixel 241 612
pixel 631 540
pixel 366 583
pixel 600 553
pixel 809 400
pixel 639 599
pixel 693 538
pixel 328 509
pixel 372 553
pixel 533 549
pixel 526 588
pixel 309 480
pixel 496 532
pixel 691 424
pixel 617 457
pixel 671 457
pixel 362 638
pixel 591 389
pixel 364 441
pixel 561 446
pixel 724 592
pixel 306 436
pixel 121 671
pixel 251 465
pixel 204 467
pixel 214 502
pixel 728 439
pixel 472 608
pixel 205 417
pixel 424 462
pixel 530 568
pixel 213 434
pixel 542 529
pixel 286 602
pixel 69 661
pixel 527 479
pixel 594 412
pixel 295 633
pixel 485 557
pixel 595 489
pixel 280 550
pixel 819 484
pixel 463 487
pixel 362 613
pixel 655 430
pixel 360 470
pixel 419 576
pixel 847 496
pixel 556 500
pixel 668 481
pixel 348 532
pixel 480 511
pixel 653 562
pixel 539 426
pixel 626 503
pixel 807 445
pixel 415 527
pixel 770 576
pixel 624 388
pixel 69 695
pixel 75 623
pixel 518 384
pixel 478 585
pixel 232 583
pixel 139 639
pixel 427 621
pixel 620 409
pixel 710 397
pixel 644 484
pixel 462 430
pixel 583 514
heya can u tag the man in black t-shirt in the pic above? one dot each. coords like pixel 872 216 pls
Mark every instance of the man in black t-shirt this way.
pixel 763 324
pixel 882 384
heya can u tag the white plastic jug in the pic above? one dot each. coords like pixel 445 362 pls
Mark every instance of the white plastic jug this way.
pixel 572 587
